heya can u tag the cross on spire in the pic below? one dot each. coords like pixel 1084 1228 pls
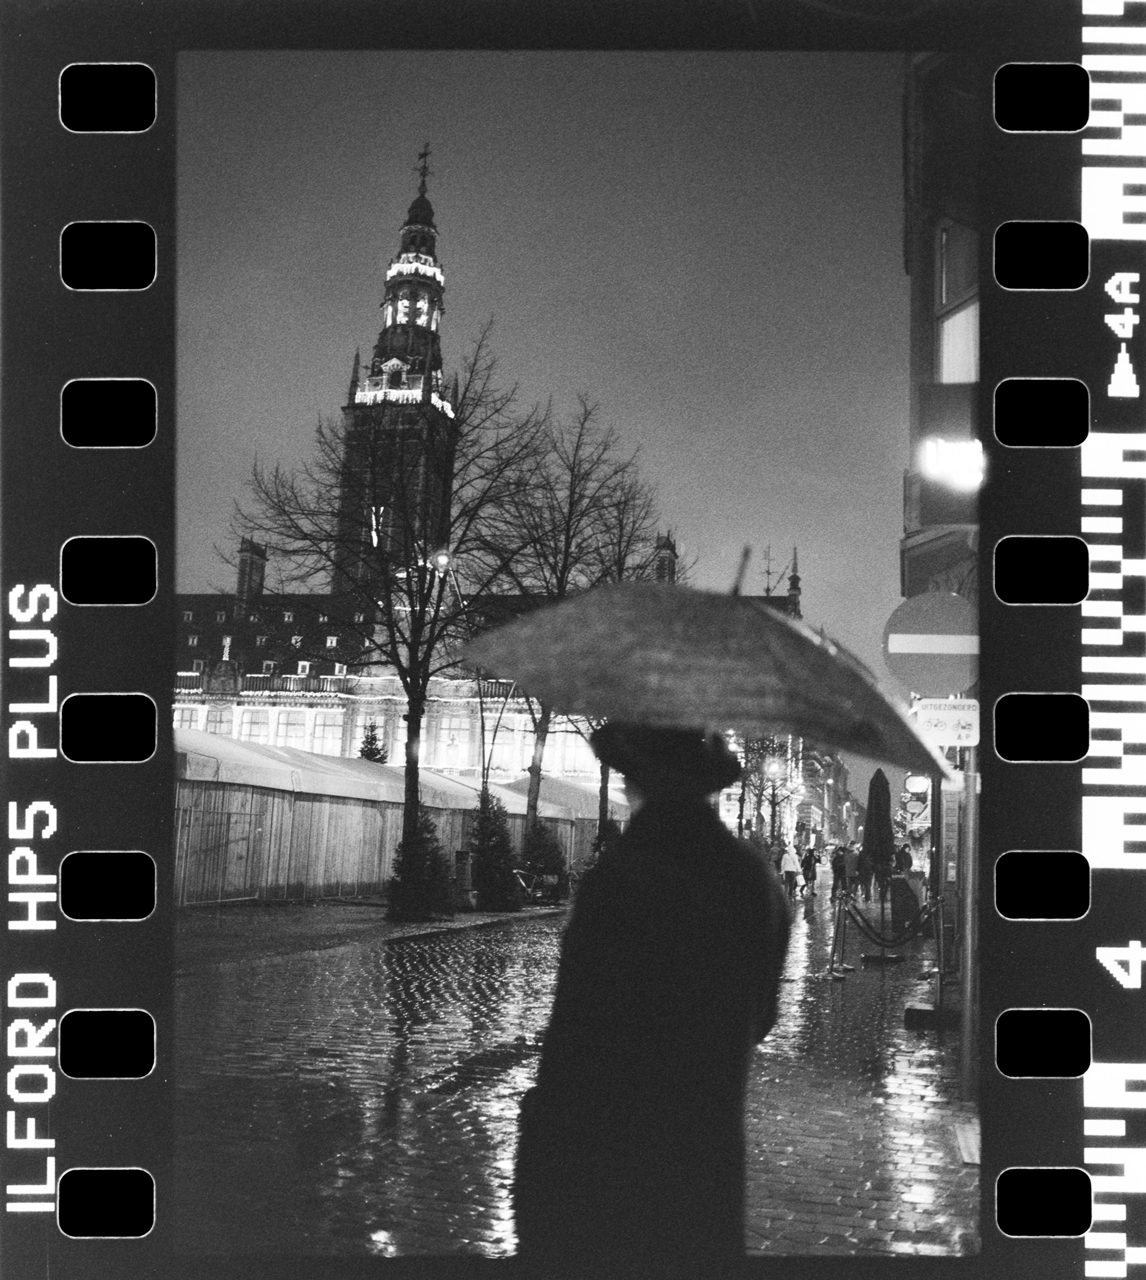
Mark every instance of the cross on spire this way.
pixel 423 168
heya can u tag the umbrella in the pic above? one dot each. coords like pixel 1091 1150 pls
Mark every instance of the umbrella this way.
pixel 663 655
pixel 878 836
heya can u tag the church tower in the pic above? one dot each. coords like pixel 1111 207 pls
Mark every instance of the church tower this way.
pixel 398 426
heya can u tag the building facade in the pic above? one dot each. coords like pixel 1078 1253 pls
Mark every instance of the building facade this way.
pixel 942 243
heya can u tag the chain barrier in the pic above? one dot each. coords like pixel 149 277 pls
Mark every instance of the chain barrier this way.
pixel 913 930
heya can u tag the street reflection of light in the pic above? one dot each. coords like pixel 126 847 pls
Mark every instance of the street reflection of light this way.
pixel 383 1243
pixel 919 1193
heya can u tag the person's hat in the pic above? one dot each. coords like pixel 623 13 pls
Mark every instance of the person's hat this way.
pixel 658 760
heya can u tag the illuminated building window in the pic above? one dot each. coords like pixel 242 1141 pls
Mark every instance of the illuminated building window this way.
pixel 268 668
pixel 387 316
pixel 296 642
pixel 220 616
pixel 958 354
pixel 254 725
pixel 186 717
pixel 220 720
pixel 423 309
pixel 403 310
pixel 192 642
pixel 188 616
pixel 328 733
pixel 304 668
pixel 260 642
pixel 290 729
pixel 288 617
pixel 956 304
pixel 332 642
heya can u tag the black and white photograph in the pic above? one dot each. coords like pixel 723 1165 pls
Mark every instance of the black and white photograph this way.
pixel 573 658
pixel 657 354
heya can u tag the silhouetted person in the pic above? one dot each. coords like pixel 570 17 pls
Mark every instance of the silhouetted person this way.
pixel 631 1145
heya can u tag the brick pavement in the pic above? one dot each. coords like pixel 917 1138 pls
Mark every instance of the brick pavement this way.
pixel 362 1099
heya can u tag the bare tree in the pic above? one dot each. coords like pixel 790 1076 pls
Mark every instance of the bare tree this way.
pixel 587 517
pixel 389 512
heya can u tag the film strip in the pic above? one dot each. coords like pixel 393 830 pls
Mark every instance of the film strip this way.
pixel 87 584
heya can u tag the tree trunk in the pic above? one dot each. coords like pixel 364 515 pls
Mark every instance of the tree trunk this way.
pixel 533 798
pixel 602 803
pixel 414 712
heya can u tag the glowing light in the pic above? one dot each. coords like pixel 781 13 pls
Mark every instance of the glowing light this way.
pixel 917 783
pixel 406 266
pixel 374 393
pixel 958 464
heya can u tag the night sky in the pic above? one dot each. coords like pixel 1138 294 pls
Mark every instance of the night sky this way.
pixel 710 245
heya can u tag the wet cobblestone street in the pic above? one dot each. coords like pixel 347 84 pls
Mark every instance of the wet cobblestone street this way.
pixel 362 1098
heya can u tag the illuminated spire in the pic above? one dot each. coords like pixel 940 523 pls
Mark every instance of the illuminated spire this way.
pixel 405 366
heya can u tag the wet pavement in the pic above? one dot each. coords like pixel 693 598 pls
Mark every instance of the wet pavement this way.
pixel 341 1089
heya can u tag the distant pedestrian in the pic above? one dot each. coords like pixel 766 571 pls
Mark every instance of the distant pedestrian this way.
pixel 851 867
pixel 631 1149
pixel 790 867
pixel 903 859
pixel 839 875
pixel 864 873
pixel 808 865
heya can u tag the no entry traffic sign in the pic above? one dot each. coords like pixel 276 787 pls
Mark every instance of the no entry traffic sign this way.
pixel 931 644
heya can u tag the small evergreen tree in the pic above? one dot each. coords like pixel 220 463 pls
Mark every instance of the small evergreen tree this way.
pixel 422 886
pixel 371 748
pixel 542 851
pixel 606 840
pixel 491 858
